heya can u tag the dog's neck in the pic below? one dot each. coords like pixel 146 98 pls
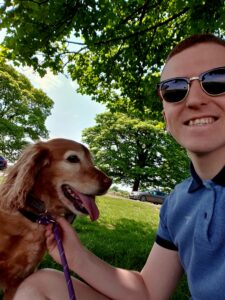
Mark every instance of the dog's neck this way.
pixel 33 208
pixel 35 204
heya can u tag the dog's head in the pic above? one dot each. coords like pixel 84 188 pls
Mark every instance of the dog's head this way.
pixel 60 173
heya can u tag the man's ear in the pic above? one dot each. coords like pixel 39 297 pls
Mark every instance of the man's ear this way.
pixel 164 115
pixel 165 120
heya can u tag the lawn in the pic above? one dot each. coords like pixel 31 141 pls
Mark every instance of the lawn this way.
pixel 122 236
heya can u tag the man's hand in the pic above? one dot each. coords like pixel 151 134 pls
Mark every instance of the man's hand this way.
pixel 70 240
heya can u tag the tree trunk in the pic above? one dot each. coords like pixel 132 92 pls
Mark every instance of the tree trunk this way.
pixel 136 185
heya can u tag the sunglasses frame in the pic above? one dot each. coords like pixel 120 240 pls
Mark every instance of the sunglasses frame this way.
pixel 188 81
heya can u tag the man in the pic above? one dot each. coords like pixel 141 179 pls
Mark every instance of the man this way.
pixel 191 232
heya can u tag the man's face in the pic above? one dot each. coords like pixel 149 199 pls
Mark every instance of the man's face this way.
pixel 198 122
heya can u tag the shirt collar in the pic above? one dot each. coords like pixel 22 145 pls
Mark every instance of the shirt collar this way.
pixel 197 181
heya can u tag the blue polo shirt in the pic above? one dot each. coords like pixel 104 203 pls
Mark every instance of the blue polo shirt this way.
pixel 192 222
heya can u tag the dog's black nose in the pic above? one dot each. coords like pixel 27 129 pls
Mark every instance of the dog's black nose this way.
pixel 105 185
pixel 107 181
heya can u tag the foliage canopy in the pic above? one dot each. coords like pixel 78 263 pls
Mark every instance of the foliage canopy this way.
pixel 23 111
pixel 114 49
pixel 136 153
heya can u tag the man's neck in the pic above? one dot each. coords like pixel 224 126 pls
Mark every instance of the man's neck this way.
pixel 207 166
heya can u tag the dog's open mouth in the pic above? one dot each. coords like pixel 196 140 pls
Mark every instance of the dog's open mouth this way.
pixel 81 202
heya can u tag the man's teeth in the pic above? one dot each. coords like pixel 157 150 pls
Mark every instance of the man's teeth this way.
pixel 201 121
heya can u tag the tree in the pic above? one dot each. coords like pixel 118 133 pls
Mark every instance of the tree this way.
pixel 23 111
pixel 114 49
pixel 134 152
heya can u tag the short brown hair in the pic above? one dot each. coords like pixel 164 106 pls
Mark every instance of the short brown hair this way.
pixel 193 40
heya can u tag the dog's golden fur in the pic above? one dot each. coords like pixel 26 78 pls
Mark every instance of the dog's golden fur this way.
pixel 47 171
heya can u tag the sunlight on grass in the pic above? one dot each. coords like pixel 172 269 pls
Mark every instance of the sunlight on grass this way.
pixel 122 236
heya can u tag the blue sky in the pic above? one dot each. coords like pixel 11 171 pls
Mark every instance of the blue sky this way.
pixel 72 112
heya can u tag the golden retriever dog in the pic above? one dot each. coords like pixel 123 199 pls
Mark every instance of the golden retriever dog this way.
pixel 57 177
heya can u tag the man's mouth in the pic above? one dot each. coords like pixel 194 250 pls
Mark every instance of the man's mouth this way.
pixel 201 121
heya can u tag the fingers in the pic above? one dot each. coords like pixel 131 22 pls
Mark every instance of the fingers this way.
pixel 48 230
pixel 65 231
pixel 70 240
pixel 65 226
pixel 50 238
pixel 69 235
pixel 68 232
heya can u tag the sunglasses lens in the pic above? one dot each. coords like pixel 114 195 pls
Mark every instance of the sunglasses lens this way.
pixel 174 90
pixel 213 81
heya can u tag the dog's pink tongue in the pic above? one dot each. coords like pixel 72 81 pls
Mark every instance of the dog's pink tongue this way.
pixel 90 205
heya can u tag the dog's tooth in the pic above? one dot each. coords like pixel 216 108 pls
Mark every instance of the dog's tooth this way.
pixel 70 192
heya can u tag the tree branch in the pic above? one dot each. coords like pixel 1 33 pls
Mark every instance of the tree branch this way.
pixel 136 33
pixel 75 43
pixel 73 52
pixel 140 9
pixel 36 2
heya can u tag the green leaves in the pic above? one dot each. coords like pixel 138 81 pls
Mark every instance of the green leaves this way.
pixel 124 45
pixel 23 111
pixel 135 152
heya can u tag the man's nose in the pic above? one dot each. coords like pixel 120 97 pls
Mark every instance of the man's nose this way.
pixel 196 96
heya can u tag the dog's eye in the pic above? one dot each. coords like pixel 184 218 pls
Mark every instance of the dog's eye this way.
pixel 73 159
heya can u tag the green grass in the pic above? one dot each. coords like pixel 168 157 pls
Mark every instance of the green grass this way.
pixel 123 235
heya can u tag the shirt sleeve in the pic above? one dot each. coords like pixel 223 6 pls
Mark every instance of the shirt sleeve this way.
pixel 163 237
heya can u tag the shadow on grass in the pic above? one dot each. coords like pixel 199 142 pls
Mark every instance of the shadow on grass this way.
pixel 125 244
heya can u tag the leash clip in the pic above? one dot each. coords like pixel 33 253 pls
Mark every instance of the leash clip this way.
pixel 45 219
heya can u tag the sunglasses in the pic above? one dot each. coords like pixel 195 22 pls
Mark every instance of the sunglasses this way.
pixel 176 89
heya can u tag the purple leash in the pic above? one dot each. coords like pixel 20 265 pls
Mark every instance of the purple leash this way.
pixel 45 220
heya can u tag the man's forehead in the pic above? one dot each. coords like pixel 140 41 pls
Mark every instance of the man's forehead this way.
pixel 194 60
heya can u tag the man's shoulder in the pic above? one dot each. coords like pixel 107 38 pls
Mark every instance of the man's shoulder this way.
pixel 180 196
pixel 181 187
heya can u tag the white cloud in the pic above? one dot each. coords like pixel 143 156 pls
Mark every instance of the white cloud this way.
pixel 47 83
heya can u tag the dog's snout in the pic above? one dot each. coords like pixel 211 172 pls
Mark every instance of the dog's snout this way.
pixel 107 181
pixel 104 183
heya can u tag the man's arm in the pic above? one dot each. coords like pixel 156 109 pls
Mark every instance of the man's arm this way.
pixel 162 272
pixel 156 281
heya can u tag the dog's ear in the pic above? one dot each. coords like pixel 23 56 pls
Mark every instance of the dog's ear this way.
pixel 21 177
